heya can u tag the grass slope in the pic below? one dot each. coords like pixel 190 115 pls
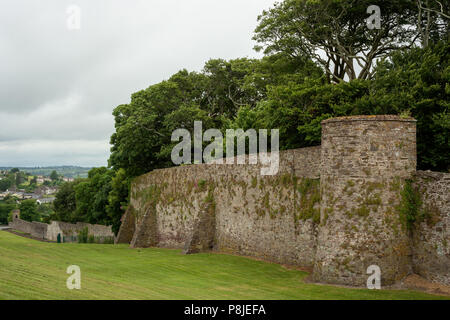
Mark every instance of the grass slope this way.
pixel 37 270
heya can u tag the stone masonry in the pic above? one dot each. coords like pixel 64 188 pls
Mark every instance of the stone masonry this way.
pixel 362 157
pixel 50 231
pixel 335 208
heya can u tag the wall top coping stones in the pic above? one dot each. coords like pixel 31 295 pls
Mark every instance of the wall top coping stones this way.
pixel 215 163
pixel 370 118
pixel 433 174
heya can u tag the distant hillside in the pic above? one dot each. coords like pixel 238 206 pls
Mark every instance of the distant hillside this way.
pixel 66 171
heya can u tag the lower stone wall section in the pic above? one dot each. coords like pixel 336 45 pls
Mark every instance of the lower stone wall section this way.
pixel 71 230
pixel 269 217
pixel 203 235
pixel 127 227
pixel 35 229
pixel 51 231
pixel 431 235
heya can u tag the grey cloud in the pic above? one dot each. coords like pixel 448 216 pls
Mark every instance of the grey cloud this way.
pixel 122 47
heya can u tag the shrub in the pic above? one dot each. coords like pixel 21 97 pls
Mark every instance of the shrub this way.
pixel 83 235
pixel 108 240
pixel 410 207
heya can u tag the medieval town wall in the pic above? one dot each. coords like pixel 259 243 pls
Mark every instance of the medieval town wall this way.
pixel 335 208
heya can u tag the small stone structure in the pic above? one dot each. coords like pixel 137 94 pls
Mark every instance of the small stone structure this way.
pixel 335 208
pixel 67 231
pixel 35 229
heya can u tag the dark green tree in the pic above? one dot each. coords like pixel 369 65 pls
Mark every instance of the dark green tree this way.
pixel 65 203
pixel 54 175
pixel 337 28
pixel 416 82
pixel 118 198
pixel 33 180
pixel 6 206
pixel 29 210
pixel 5 184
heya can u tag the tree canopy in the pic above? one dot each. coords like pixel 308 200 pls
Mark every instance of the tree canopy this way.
pixel 335 35
pixel 29 210
pixel 101 198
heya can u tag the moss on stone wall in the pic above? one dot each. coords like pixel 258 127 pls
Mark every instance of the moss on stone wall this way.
pixel 149 196
pixel 307 207
pixel 413 208
pixel 410 205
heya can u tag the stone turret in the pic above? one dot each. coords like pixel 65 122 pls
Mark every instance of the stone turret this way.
pixel 16 214
pixel 364 162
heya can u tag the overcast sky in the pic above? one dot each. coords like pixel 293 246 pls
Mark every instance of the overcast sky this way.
pixel 59 86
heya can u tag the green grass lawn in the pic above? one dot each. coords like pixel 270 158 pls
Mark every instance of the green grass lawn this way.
pixel 36 270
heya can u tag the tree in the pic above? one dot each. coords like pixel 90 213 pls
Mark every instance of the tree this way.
pixel 54 175
pixel 100 185
pixel 225 89
pixel 33 180
pixel 143 129
pixel 19 178
pixel 413 82
pixel 6 206
pixel 85 200
pixel 28 210
pixel 100 198
pixel 5 184
pixel 433 21
pixel 118 199
pixel 30 188
pixel 65 203
pixel 334 33
pixel 45 211
pixel 142 140
pixel 417 81
pixel 297 109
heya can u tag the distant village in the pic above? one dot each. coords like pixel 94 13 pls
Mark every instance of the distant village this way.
pixel 34 191
pixel 23 186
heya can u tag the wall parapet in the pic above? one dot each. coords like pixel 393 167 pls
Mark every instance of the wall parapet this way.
pixel 370 118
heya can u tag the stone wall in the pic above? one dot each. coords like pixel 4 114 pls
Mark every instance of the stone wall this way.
pixel 431 235
pixel 127 227
pixel 36 229
pixel 271 217
pixel 72 230
pixel 51 231
pixel 333 208
pixel 262 216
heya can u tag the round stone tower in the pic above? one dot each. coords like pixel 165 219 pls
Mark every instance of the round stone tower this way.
pixel 364 163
